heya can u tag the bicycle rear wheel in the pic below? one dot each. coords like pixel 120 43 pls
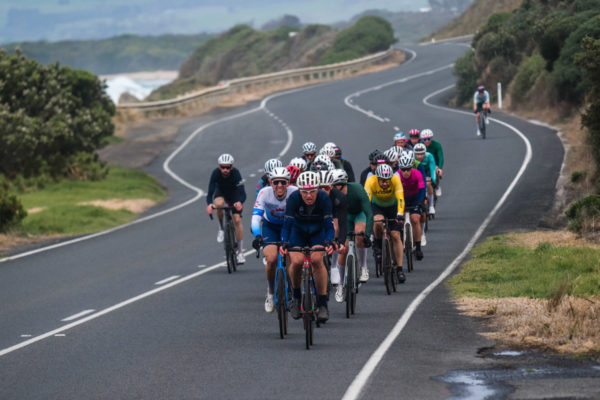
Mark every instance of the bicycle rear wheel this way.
pixel 386 261
pixel 408 247
pixel 349 278
pixel 280 295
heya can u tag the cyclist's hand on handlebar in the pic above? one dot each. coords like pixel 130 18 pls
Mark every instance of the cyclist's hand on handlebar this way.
pixel 284 248
pixel 238 206
pixel 367 241
pixel 400 218
pixel 329 247
pixel 340 246
pixel 257 242
pixel 209 209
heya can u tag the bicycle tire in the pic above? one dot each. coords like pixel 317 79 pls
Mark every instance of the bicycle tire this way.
pixel 377 274
pixel 482 118
pixel 233 245
pixel 307 309
pixel 280 295
pixel 354 291
pixel 386 262
pixel 228 248
pixel 349 278
pixel 408 247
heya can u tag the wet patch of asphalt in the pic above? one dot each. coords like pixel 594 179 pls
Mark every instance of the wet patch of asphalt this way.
pixel 515 374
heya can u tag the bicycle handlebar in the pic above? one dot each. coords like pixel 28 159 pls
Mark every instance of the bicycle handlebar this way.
pixel 306 250
pixel 220 208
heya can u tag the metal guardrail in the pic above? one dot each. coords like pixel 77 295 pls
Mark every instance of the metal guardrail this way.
pixel 294 76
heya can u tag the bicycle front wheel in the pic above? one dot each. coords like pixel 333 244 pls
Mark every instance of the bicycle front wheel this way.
pixel 280 295
pixel 482 124
pixel 386 261
pixel 233 246
pixel 408 247
pixel 229 250
pixel 349 278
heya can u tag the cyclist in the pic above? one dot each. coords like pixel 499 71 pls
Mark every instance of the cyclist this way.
pixel 269 209
pixel 387 200
pixel 360 220
pixel 414 195
pixel 309 151
pixel 375 158
pixel 329 152
pixel 414 138
pixel 481 101
pixel 299 163
pixel 322 163
pixel 425 159
pixel 226 185
pixel 435 148
pixel 263 181
pixel 346 164
pixel 392 156
pixel 400 139
pixel 308 222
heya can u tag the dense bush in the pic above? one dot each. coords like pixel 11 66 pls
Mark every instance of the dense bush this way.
pixel 368 35
pixel 584 215
pixel 48 114
pixel 528 73
pixel 11 211
pixel 589 59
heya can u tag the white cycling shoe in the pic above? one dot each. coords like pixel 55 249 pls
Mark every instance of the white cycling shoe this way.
pixel 269 303
pixel 241 258
pixel 220 236
pixel 339 294
pixel 364 274
pixel 423 239
pixel 438 191
pixel 431 210
pixel 335 276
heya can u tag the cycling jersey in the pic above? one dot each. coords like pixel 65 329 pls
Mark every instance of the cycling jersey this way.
pixel 480 99
pixel 231 187
pixel 339 208
pixel 262 183
pixel 269 208
pixel 310 220
pixel 365 174
pixel 393 195
pixel 428 163
pixel 414 186
pixel 358 202
pixel 435 148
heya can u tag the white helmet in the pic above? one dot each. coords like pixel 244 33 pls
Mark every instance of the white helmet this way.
pixel 325 178
pixel 426 134
pixel 280 173
pixel 384 171
pixel 339 176
pixel 327 151
pixel 391 154
pixel 272 164
pixel 309 147
pixel 420 148
pixel 225 159
pixel 329 144
pixel 407 159
pixel 299 163
pixel 308 180
pixel 326 160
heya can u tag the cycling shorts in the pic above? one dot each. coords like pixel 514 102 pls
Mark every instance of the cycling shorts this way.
pixel 300 238
pixel 228 200
pixel 480 106
pixel 389 213
pixel 270 232
pixel 411 204
pixel 354 218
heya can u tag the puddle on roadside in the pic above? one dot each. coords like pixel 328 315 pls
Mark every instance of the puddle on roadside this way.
pixel 515 366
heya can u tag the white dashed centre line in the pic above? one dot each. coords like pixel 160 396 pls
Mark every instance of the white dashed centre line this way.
pixel 78 315
pixel 169 279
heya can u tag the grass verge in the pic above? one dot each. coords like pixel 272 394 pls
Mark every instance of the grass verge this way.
pixel 536 289
pixel 58 208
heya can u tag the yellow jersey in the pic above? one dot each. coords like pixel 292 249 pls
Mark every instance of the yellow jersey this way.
pixel 394 194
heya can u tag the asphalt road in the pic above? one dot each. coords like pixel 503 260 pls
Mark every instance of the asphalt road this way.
pixel 204 333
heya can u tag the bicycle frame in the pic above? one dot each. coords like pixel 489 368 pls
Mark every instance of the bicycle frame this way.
pixel 230 241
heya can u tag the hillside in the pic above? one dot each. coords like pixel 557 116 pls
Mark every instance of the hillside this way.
pixel 126 53
pixel 473 18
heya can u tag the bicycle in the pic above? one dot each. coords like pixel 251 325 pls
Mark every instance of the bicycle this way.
pixel 230 241
pixel 483 121
pixel 351 275
pixel 309 293
pixel 387 255
pixel 282 296
pixel 408 240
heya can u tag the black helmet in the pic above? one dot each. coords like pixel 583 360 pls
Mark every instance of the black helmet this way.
pixel 319 166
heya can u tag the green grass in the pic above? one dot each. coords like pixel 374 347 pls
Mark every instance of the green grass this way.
pixel 501 268
pixel 62 214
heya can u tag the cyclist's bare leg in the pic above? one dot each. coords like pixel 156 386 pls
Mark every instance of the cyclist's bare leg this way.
pixel 270 253
pixel 342 258
pixel 360 227
pixel 295 269
pixel 239 231
pixel 219 202
pixel 319 271
pixel 397 245
pixel 415 221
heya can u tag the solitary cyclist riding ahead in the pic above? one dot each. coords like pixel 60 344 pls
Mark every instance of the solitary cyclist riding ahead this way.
pixel 226 186
pixel 481 101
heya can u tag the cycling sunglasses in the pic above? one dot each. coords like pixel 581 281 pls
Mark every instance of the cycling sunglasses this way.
pixel 405 169
pixel 427 140
pixel 279 183
pixel 225 167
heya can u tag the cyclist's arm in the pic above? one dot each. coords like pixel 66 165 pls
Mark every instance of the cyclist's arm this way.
pixel 440 156
pixel 399 193
pixel 349 170
pixel 342 216
pixel 422 187
pixel 211 187
pixel 431 166
pixel 240 189
pixel 368 190
pixel 257 214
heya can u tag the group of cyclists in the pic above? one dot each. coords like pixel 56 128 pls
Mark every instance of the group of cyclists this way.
pixel 314 201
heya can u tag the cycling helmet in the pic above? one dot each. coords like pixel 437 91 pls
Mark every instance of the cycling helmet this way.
pixel 225 159
pixel 373 155
pixel 339 176
pixel 407 159
pixel 325 178
pixel 294 172
pixel 426 134
pixel 384 171
pixel 271 164
pixel 414 133
pixel 326 160
pixel 399 136
pixel 480 88
pixel 329 144
pixel 338 151
pixel 319 165
pixel 399 149
pixel 309 147
pixel 280 173
pixel 391 154
pixel 308 180
pixel 420 148
pixel 299 163
pixel 327 151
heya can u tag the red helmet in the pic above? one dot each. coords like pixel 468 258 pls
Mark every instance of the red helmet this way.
pixel 294 172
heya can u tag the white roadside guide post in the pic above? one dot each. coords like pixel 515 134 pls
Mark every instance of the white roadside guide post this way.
pixel 499 95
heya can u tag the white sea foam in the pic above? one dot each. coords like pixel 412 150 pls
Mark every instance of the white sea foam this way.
pixel 140 88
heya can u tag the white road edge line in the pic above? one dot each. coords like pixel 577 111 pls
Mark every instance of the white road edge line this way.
pixel 78 315
pixel 357 386
pixel 169 279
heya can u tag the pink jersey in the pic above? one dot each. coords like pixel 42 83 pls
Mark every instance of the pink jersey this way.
pixel 413 184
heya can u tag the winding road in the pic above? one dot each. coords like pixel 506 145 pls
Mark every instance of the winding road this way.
pixel 148 311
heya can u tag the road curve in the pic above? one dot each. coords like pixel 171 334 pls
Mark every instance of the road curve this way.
pixel 167 321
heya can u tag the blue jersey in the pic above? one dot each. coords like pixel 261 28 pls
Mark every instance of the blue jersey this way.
pixel 309 219
pixel 477 99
